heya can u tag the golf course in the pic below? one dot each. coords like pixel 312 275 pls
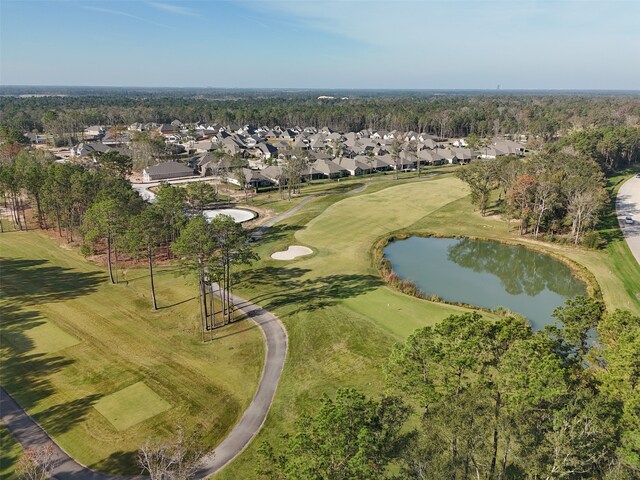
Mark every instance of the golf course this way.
pixel 102 372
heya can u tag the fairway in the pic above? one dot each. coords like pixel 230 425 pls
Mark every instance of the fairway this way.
pixel 100 370
pixel 341 319
pixel 131 405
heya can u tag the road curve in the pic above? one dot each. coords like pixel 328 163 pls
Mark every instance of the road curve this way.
pixel 29 434
pixel 628 205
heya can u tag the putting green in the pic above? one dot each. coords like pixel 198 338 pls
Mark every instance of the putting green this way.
pixel 131 405
pixel 42 339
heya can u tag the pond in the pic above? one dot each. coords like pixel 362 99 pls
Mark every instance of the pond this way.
pixel 487 274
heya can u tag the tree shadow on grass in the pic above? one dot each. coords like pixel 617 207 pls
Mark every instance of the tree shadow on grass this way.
pixel 120 463
pixel 26 376
pixel 25 285
pixel 277 232
pixel 311 294
pixel 60 418
pixel 608 226
pixel 31 282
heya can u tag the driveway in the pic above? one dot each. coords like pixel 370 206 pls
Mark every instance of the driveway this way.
pixel 628 205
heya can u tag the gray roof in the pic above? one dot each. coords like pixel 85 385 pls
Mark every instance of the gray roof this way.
pixel 166 168
pixel 328 167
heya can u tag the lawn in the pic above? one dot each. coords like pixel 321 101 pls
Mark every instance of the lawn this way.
pixel 10 452
pixel 78 348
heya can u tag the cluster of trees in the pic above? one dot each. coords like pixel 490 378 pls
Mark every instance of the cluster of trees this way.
pixel 61 192
pixel 96 202
pixel 442 115
pixel 548 192
pixel 614 148
pixel 492 400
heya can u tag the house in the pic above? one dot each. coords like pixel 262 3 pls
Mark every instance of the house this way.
pixel 431 157
pixel 162 171
pixel 330 169
pixel 275 173
pixel 448 154
pixel 84 149
pixel 312 174
pixel 115 138
pixel 464 154
pixel 354 166
pixel 376 163
pixel 94 131
pixel 265 150
pixel 252 179
pixel 36 138
pixel 167 129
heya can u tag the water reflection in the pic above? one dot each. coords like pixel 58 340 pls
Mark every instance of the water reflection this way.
pixel 520 270
pixel 487 274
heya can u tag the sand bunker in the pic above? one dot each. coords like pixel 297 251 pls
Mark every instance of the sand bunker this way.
pixel 292 252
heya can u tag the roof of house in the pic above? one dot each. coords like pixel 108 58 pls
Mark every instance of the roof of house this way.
pixel 166 168
pixel 328 167
pixel 352 163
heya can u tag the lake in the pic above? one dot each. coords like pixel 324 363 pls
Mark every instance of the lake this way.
pixel 487 274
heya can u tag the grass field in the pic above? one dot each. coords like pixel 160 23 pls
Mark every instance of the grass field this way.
pixel 72 344
pixel 341 319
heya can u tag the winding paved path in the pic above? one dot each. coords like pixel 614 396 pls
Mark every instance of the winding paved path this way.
pixel 628 205
pixel 29 434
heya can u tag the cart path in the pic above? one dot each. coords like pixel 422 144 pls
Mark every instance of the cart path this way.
pixel 30 434
pixel 276 342
pixel 628 205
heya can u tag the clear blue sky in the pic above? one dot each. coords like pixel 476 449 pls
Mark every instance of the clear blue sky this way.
pixel 518 44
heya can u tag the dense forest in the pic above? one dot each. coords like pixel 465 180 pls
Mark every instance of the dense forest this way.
pixel 445 115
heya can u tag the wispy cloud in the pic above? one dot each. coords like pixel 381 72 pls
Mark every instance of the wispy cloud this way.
pixel 173 9
pixel 123 14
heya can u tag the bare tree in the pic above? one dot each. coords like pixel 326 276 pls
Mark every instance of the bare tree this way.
pixel 37 463
pixel 176 459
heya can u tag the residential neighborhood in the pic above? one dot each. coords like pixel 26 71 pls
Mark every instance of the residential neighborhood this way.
pixel 204 149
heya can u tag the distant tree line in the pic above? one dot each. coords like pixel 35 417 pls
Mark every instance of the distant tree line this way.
pixel 445 116
pixel 490 400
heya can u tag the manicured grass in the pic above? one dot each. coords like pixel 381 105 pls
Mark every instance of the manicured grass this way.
pixel 131 405
pixel 45 338
pixel 340 318
pixel 48 288
pixel 10 452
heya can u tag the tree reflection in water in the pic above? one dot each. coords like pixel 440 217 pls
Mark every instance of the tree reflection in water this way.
pixel 520 269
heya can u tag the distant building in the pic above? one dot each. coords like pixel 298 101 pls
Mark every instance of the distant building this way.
pixel 165 170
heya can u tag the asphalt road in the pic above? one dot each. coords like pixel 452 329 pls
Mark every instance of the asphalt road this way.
pixel 29 434
pixel 628 205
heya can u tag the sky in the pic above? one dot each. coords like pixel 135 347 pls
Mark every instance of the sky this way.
pixel 395 44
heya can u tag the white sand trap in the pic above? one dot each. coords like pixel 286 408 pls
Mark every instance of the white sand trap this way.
pixel 294 251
